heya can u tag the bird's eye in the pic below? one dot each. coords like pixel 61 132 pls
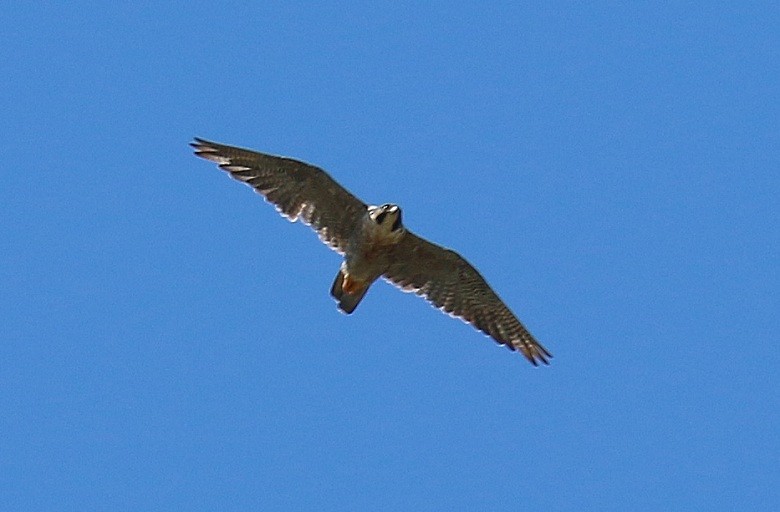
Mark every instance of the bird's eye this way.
pixel 381 217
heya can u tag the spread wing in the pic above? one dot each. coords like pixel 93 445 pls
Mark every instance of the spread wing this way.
pixel 298 190
pixel 451 284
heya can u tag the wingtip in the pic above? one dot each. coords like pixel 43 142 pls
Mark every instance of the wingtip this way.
pixel 208 150
pixel 199 143
pixel 536 354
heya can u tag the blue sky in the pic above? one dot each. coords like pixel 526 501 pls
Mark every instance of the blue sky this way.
pixel 168 341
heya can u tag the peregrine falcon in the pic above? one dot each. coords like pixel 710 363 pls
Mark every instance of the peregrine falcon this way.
pixel 374 243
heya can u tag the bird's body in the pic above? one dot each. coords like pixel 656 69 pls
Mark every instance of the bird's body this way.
pixel 374 243
pixel 368 255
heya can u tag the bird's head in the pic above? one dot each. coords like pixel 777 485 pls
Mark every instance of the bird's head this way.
pixel 387 217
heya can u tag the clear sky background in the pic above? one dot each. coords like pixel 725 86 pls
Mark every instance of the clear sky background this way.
pixel 167 341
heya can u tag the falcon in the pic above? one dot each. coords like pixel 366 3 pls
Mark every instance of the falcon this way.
pixel 374 244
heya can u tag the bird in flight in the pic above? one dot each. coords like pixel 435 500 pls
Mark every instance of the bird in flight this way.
pixel 374 243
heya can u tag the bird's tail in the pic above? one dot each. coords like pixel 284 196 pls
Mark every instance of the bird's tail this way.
pixel 348 292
